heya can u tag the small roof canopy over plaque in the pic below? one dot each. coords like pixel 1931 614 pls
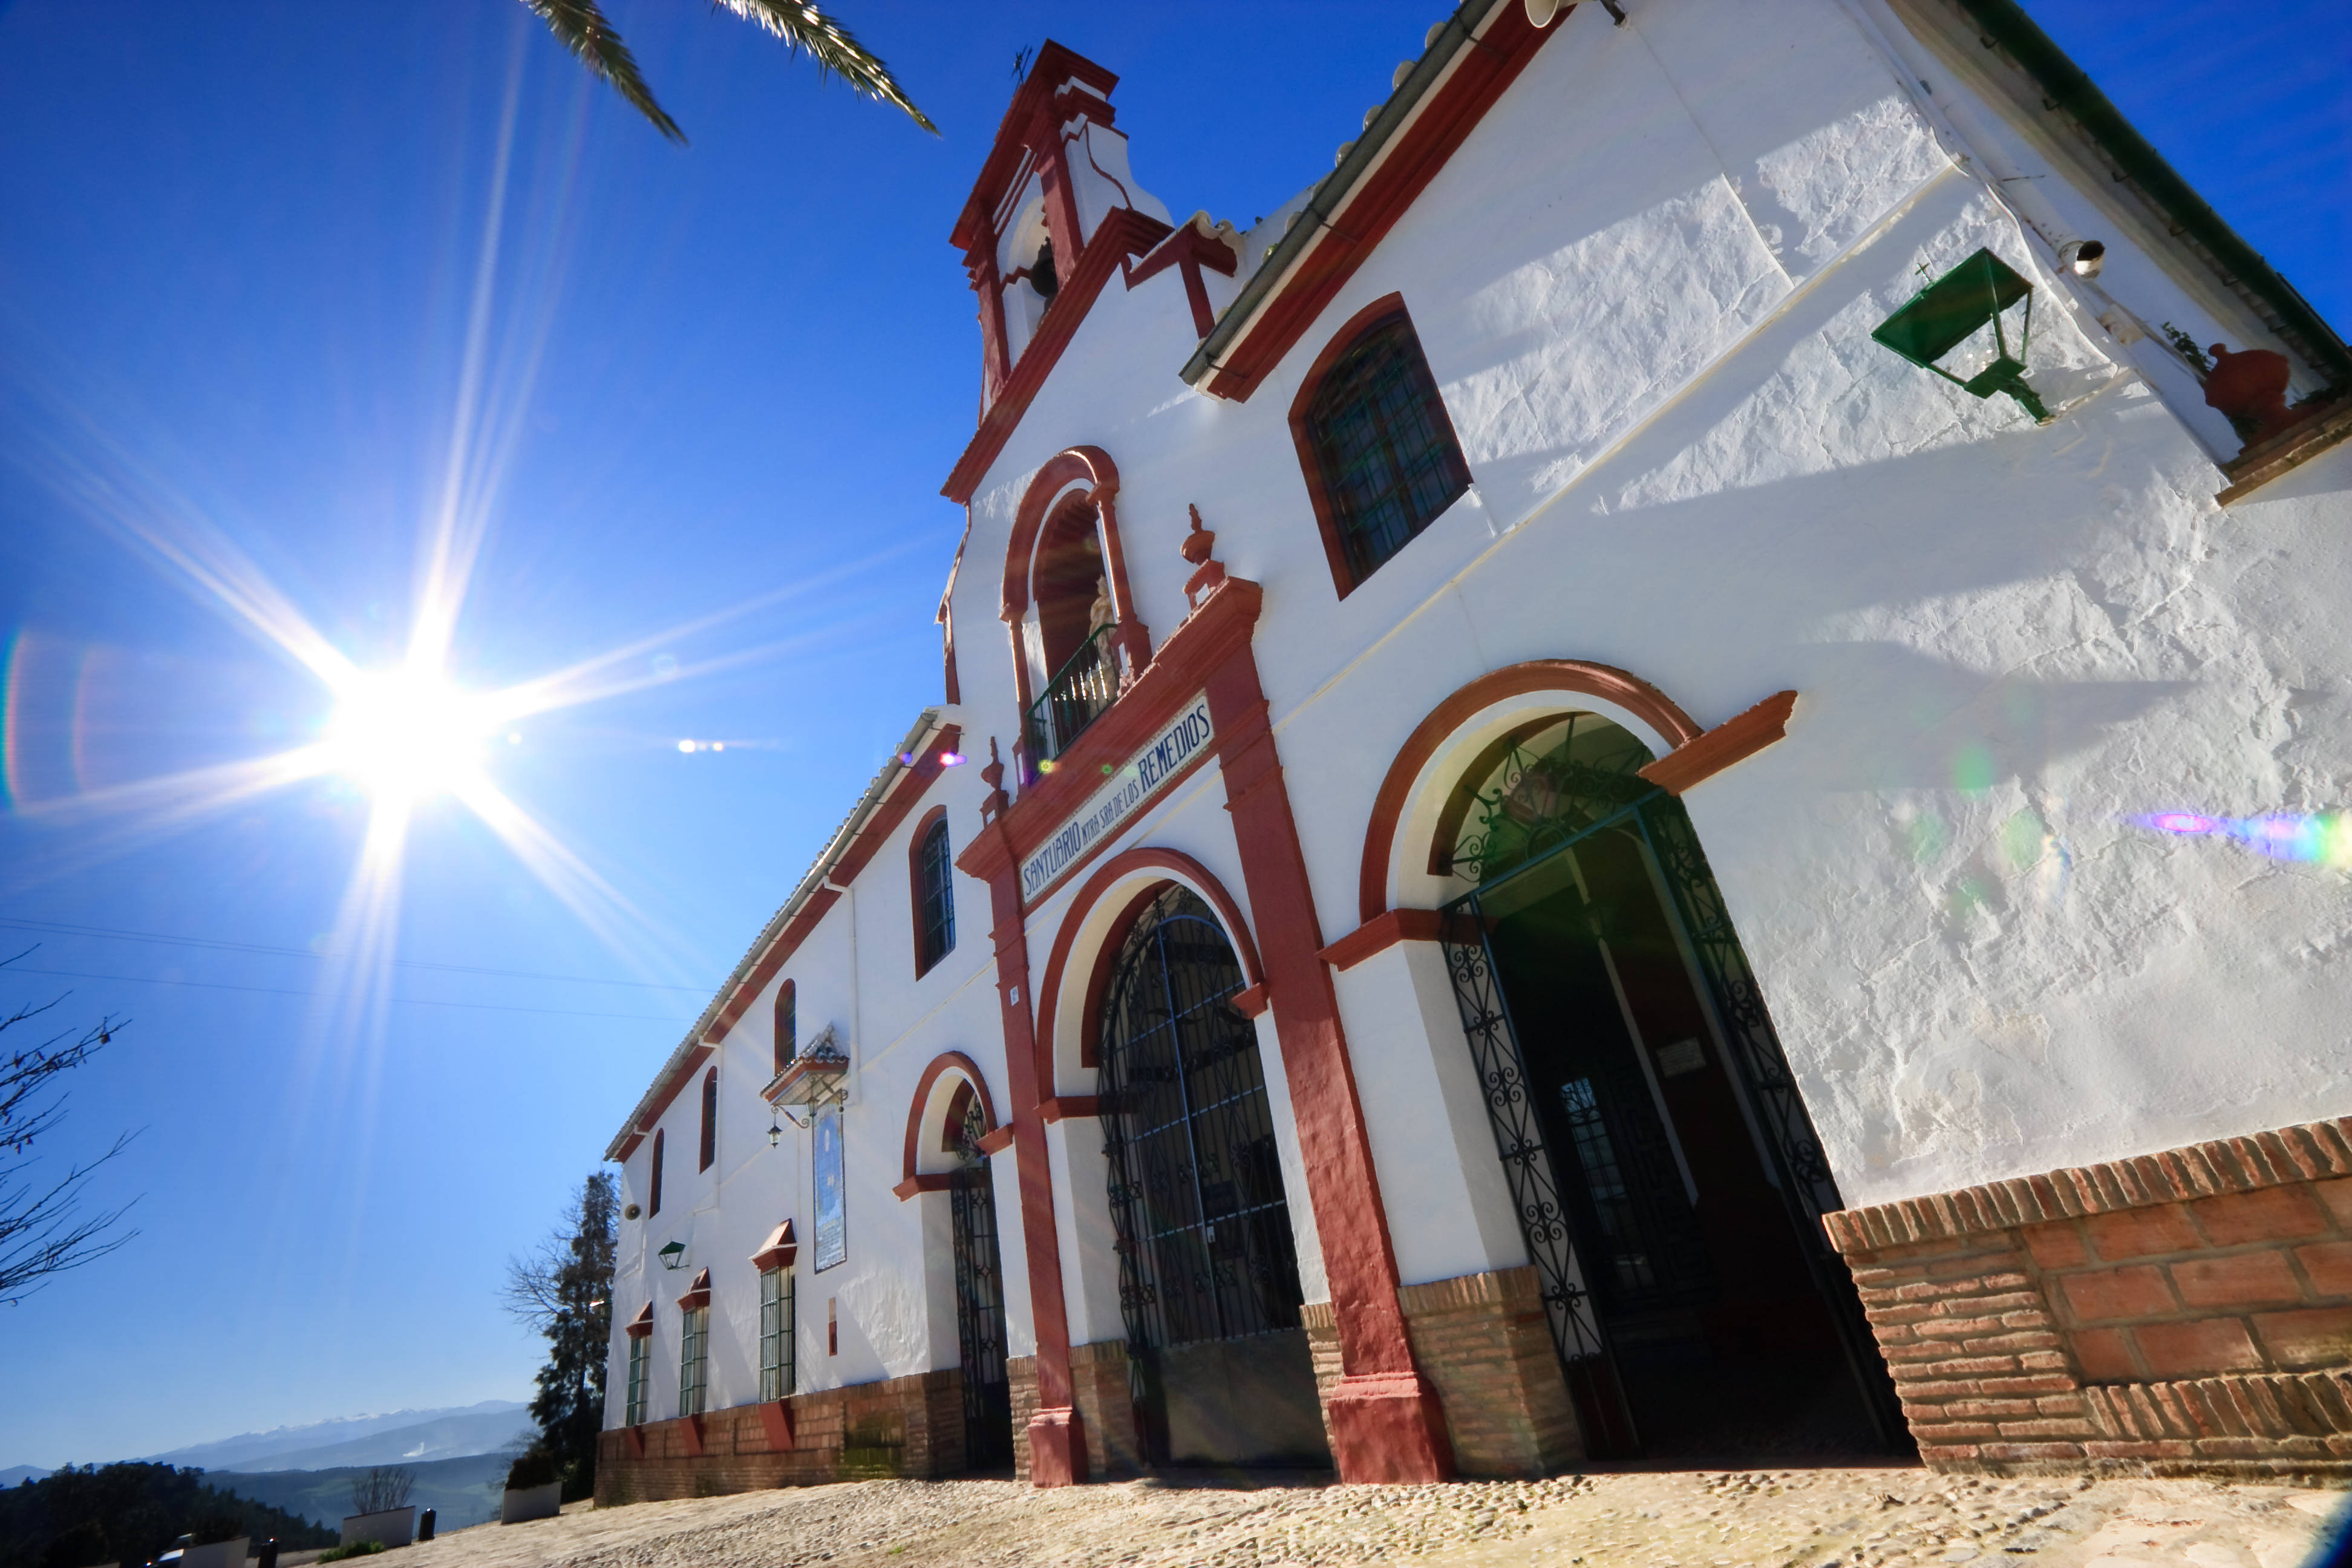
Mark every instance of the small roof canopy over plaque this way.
pixel 1942 319
pixel 813 1077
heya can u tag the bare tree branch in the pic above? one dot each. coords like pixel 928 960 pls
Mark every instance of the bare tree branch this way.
pixel 42 1232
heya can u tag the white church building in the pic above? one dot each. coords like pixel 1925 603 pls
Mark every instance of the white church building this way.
pixel 1651 779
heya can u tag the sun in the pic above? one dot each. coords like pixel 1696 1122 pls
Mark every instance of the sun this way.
pixel 403 734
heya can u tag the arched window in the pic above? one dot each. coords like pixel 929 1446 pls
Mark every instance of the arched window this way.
pixel 710 1119
pixel 934 890
pixel 653 1197
pixel 1380 454
pixel 788 1044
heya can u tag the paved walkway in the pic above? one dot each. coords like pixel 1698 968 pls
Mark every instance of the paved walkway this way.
pixel 1779 1519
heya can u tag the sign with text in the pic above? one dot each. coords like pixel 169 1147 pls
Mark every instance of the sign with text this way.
pixel 1123 794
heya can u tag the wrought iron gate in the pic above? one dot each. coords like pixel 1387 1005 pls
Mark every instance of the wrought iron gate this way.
pixel 980 1304
pixel 1540 813
pixel 1195 1184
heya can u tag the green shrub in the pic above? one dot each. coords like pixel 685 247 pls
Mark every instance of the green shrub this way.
pixel 534 1467
pixel 356 1549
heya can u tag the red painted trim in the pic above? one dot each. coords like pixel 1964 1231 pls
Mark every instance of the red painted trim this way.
pixel 905 795
pixel 707 1141
pixel 786 1041
pixel 1178 673
pixel 1406 1439
pixel 1212 650
pixel 923 826
pixel 778 1251
pixel 1143 859
pixel 1382 932
pixel 1037 98
pixel 945 1062
pixel 776 1425
pixel 654 1187
pixel 691 1436
pixel 996 1142
pixel 1048 493
pixel 788 941
pixel 1252 1002
pixel 1069 1107
pixel 1379 313
pixel 1636 696
pixel 674 1088
pixel 1124 232
pixel 697 1295
pixel 1189 250
pixel 1483 72
pixel 1735 739
pixel 643 1324
pixel 1058 1449
pixel 927 1182
pixel 636 1441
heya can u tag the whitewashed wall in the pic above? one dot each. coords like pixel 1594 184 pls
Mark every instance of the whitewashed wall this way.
pixel 1645 286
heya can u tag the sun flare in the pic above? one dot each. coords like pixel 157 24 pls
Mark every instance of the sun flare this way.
pixel 405 733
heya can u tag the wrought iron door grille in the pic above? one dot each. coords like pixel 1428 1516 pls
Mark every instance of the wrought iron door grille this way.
pixel 980 1304
pixel 1196 1197
pixel 1543 807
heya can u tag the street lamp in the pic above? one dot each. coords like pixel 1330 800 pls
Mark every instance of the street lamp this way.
pixel 1955 308
pixel 672 1255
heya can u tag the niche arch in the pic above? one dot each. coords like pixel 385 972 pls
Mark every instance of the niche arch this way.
pixel 1075 490
pixel 1085 946
pixel 1421 794
pixel 950 1084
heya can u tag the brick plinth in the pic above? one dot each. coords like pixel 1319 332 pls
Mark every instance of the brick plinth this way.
pixel 1482 1343
pixel 901 1427
pixel 2184 1312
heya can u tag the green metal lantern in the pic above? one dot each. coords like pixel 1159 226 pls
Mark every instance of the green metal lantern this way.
pixel 1953 309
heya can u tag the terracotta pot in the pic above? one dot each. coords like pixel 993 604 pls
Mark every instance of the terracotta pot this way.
pixel 2249 386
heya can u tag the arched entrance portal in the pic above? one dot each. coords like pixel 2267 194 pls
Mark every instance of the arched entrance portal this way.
pixel 980 1294
pixel 1208 1273
pixel 1668 1179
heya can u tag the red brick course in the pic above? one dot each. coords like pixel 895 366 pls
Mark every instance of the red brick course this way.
pixel 1482 1341
pixel 2185 1311
pixel 901 1426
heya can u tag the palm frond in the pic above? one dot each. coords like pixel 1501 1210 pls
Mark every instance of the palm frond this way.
pixel 579 25
pixel 802 27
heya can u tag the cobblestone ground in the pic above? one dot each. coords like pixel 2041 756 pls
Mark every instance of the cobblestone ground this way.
pixel 1779 1519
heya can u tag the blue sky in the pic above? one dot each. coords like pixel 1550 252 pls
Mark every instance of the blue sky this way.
pixel 240 271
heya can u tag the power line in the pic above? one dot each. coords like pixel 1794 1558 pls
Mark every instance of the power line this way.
pixel 273 991
pixel 55 928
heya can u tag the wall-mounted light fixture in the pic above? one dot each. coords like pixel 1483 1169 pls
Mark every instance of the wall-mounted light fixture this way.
pixel 1939 322
pixel 673 1255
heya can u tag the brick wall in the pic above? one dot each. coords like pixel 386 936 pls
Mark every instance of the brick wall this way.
pixel 1482 1341
pixel 903 1426
pixel 2188 1311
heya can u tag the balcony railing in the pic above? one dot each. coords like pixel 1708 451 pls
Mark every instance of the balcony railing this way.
pixel 1079 692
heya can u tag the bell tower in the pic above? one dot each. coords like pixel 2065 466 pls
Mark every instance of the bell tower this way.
pixel 1057 170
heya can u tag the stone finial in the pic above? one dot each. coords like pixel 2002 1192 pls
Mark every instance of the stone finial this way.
pixel 996 801
pixel 1209 573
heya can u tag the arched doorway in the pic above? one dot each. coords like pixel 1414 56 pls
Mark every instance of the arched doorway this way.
pixel 979 1291
pixel 1669 1182
pixel 1209 1287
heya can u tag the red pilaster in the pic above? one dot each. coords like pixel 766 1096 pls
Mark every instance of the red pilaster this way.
pixel 1386 1425
pixel 1058 1449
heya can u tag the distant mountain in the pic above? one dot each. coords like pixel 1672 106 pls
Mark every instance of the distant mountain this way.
pixel 17 1475
pixel 399 1437
pixel 464 1490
